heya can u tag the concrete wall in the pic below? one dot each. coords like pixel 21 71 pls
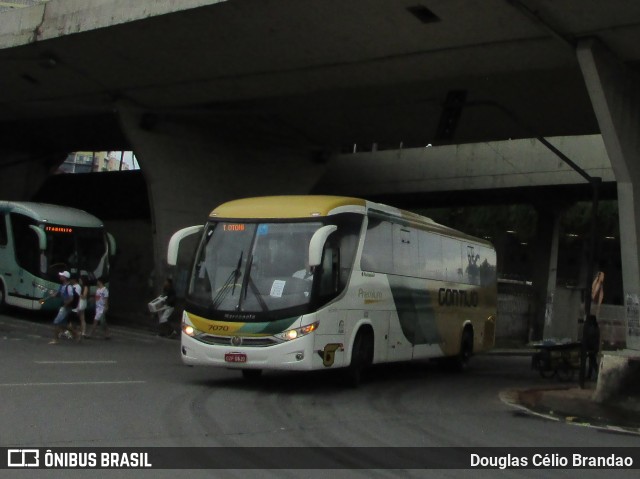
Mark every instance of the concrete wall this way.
pixel 613 325
pixel 516 309
pixel 618 378
pixel 22 174
pixel 564 311
pixel 130 287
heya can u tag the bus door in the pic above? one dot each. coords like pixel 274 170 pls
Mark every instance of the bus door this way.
pixel 20 260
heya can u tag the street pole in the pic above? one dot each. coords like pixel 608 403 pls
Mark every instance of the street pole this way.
pixel 595 184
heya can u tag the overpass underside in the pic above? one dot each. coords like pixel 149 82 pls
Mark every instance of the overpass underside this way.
pixel 224 99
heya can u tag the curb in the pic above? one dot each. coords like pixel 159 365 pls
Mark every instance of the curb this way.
pixel 512 399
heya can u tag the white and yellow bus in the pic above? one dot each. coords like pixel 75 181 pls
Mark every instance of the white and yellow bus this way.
pixel 321 282
pixel 38 241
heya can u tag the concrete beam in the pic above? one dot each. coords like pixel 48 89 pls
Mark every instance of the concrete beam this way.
pixel 615 96
pixel 478 166
pixel 57 18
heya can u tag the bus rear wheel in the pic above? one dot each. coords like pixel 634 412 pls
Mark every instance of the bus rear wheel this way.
pixel 361 357
pixel 460 362
pixel 466 350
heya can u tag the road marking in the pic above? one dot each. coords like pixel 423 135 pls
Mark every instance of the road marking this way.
pixel 80 383
pixel 76 362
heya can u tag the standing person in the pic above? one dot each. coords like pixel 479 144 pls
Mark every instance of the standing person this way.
pixel 82 304
pixel 164 326
pixel 65 291
pixel 74 316
pixel 591 336
pixel 102 306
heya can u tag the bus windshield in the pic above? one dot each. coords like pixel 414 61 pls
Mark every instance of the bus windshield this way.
pixel 68 248
pixel 77 249
pixel 258 271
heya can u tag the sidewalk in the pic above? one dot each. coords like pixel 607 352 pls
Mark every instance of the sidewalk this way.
pixel 575 405
pixel 572 404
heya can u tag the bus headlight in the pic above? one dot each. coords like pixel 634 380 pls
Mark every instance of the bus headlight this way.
pixel 290 334
pixel 189 330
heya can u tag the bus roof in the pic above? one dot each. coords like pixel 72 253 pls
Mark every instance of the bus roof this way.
pixel 308 206
pixel 301 206
pixel 54 214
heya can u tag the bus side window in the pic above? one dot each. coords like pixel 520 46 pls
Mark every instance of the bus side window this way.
pixel 25 243
pixel 377 247
pixel 3 231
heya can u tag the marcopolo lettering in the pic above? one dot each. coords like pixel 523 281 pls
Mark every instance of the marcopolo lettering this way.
pixel 457 297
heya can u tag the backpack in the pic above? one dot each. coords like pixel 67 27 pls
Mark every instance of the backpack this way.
pixel 76 297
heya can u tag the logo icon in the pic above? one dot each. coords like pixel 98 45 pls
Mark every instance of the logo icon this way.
pixel 236 341
pixel 23 458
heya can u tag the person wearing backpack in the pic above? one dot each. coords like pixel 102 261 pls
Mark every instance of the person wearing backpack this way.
pixel 61 321
pixel 74 316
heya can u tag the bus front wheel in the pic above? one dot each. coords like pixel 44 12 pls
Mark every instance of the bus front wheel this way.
pixel 361 357
pixel 2 298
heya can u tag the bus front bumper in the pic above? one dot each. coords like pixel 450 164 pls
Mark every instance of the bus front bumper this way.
pixel 294 355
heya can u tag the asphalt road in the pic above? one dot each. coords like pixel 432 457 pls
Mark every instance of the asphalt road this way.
pixel 133 391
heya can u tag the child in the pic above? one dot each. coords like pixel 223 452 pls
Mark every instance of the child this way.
pixel 102 305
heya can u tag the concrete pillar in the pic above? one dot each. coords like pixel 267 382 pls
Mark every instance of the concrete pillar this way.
pixel 190 169
pixel 558 308
pixel 615 95
pixel 545 270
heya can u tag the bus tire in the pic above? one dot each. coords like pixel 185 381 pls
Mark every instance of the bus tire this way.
pixel 3 302
pixel 460 362
pixel 361 357
pixel 466 350
pixel 251 374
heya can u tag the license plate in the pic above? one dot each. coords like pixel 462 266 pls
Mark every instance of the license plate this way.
pixel 235 358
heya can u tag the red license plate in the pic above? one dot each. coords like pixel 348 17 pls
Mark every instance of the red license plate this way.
pixel 235 358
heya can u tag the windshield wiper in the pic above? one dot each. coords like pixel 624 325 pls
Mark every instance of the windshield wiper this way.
pixel 232 281
pixel 248 281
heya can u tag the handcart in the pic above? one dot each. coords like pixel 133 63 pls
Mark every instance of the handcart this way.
pixel 560 359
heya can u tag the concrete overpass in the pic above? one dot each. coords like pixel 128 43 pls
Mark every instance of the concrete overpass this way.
pixel 247 97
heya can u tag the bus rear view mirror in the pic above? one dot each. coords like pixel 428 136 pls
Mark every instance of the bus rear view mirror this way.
pixel 112 244
pixel 42 237
pixel 317 242
pixel 176 238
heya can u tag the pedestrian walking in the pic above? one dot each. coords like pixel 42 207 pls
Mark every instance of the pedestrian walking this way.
pixel 61 321
pixel 82 304
pixel 102 306
pixel 164 315
pixel 73 317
